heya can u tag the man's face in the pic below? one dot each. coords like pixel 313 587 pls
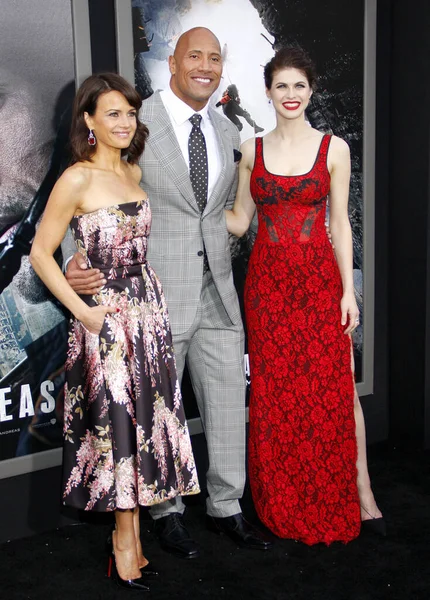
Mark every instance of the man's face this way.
pixel 25 141
pixel 25 131
pixel 196 67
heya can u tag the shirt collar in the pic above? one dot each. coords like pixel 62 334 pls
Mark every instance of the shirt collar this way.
pixel 178 109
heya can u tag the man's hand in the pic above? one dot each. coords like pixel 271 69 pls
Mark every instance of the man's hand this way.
pixel 83 280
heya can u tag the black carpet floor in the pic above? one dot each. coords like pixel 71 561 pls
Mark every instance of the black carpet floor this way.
pixel 69 564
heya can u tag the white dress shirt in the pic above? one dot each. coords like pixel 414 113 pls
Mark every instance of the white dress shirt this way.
pixel 179 113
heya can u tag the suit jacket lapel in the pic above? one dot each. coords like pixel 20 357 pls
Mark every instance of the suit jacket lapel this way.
pixel 224 144
pixel 162 140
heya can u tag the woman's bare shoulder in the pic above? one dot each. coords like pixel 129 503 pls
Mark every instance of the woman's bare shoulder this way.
pixel 135 171
pixel 339 146
pixel 77 177
pixel 248 152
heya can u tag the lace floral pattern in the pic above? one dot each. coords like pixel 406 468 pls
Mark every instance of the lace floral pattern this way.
pixel 302 452
pixel 126 438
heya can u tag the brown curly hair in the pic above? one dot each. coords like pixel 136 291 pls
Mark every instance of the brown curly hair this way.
pixel 86 101
pixel 291 57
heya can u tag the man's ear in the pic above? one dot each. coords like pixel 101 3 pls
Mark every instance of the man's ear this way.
pixel 172 65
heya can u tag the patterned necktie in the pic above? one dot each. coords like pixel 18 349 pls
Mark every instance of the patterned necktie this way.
pixel 198 157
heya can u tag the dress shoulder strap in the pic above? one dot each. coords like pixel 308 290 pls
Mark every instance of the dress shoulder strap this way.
pixel 323 151
pixel 258 146
pixel 258 158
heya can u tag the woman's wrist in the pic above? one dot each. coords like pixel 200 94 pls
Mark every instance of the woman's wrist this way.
pixel 81 313
pixel 349 291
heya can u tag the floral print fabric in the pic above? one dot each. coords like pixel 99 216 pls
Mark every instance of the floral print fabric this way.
pixel 303 451
pixel 126 441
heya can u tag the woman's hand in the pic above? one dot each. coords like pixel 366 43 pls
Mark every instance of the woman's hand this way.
pixel 350 312
pixel 95 316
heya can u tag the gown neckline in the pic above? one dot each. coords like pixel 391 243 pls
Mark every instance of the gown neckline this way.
pixel 300 174
pixel 117 205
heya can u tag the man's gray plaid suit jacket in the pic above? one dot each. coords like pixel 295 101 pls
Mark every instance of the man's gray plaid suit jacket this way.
pixel 179 230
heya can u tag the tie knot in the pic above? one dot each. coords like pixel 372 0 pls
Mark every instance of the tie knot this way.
pixel 195 120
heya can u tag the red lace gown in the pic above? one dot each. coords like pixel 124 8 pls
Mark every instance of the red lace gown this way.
pixel 303 450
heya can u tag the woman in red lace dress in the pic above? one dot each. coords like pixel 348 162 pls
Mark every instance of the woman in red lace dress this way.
pixel 300 311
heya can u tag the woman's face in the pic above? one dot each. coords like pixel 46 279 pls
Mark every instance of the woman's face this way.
pixel 114 121
pixel 290 93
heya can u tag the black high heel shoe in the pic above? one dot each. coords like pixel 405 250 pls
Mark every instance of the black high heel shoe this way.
pixel 130 584
pixel 375 525
pixel 147 571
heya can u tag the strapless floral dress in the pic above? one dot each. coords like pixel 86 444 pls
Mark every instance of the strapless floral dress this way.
pixel 126 441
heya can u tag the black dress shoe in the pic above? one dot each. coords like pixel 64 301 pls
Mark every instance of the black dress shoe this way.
pixel 174 537
pixel 240 531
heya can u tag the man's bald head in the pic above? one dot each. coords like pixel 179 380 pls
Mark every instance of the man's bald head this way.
pixel 196 67
pixel 184 39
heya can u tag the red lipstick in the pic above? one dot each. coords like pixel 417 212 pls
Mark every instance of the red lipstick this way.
pixel 291 105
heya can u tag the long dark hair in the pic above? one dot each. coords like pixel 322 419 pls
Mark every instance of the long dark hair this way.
pixel 86 101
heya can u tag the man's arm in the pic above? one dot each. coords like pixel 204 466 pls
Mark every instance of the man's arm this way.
pixel 83 280
pixel 233 190
pixel 68 248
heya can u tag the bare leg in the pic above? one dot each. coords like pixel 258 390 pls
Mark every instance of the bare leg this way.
pixel 142 561
pixel 124 544
pixel 369 508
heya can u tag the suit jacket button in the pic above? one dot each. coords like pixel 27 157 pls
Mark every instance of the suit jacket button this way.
pixel 200 253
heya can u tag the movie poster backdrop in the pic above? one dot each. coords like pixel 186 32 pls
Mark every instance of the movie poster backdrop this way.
pixel 249 32
pixel 36 89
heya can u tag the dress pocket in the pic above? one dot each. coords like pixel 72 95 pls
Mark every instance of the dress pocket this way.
pixel 101 328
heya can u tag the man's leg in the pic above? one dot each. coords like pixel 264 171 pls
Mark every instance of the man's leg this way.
pixel 215 363
pixel 169 525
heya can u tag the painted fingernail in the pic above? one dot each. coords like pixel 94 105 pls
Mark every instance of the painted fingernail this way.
pixel 118 310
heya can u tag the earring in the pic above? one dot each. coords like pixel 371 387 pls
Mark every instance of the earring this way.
pixel 92 141
pixel 270 100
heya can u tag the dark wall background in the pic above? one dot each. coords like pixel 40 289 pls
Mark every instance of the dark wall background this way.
pixel 103 38
pixel 408 221
pixel 399 409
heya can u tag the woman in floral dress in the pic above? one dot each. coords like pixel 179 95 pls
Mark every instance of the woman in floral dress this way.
pixel 126 439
